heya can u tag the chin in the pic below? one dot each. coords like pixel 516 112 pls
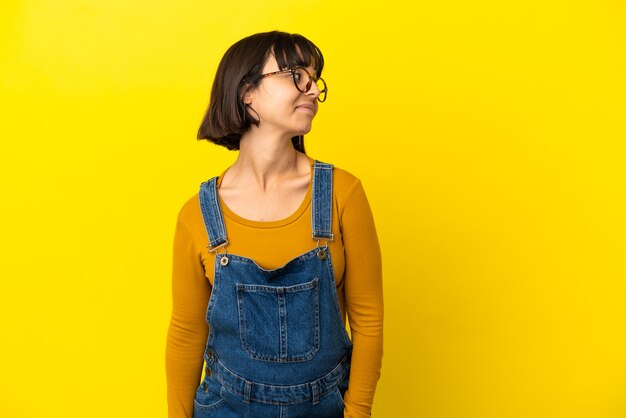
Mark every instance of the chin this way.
pixel 304 131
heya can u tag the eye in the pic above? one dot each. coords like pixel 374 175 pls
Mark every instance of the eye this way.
pixel 297 75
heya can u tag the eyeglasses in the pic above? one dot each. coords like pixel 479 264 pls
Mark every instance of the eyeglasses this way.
pixel 303 80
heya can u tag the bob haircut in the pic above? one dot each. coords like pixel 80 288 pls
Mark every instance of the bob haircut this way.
pixel 227 117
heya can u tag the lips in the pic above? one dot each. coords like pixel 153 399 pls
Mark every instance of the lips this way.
pixel 308 106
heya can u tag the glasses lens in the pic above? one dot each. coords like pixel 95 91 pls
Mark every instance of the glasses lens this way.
pixel 301 79
pixel 303 82
pixel 321 86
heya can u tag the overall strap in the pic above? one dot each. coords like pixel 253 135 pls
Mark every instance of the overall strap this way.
pixel 212 214
pixel 322 195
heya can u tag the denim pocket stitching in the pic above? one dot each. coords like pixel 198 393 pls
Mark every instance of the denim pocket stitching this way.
pixel 210 407
pixel 207 391
pixel 312 286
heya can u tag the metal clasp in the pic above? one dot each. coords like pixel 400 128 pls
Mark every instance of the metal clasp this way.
pixel 214 249
pixel 223 255
pixel 322 252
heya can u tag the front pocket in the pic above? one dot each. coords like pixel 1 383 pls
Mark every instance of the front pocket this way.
pixel 208 399
pixel 279 323
pixel 200 410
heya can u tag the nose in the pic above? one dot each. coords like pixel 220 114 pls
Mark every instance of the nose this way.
pixel 314 90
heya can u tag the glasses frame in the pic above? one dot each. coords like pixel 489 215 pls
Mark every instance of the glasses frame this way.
pixel 323 92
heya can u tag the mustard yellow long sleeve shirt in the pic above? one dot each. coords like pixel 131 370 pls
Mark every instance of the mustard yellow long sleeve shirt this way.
pixel 355 254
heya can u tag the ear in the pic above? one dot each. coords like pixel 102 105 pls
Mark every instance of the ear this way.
pixel 247 94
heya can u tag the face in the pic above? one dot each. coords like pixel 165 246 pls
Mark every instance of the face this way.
pixel 281 108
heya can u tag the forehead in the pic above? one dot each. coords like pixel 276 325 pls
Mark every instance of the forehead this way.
pixel 270 64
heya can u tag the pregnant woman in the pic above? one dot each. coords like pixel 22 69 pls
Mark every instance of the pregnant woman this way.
pixel 272 255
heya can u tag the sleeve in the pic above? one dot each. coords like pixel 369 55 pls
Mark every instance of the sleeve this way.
pixel 364 301
pixel 186 337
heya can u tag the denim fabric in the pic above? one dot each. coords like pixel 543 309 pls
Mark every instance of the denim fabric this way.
pixel 277 346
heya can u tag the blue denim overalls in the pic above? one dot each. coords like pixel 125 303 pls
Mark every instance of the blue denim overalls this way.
pixel 277 345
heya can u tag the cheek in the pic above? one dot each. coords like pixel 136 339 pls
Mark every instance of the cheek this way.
pixel 276 102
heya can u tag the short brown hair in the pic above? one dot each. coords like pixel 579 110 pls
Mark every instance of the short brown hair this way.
pixel 227 118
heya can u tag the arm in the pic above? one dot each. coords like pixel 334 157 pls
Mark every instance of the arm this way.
pixel 364 301
pixel 188 330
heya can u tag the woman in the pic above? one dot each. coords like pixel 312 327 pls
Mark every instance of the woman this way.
pixel 272 254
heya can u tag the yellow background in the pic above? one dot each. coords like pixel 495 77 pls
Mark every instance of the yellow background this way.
pixel 489 136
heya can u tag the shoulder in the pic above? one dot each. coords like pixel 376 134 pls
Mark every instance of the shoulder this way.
pixel 351 200
pixel 342 179
pixel 344 182
pixel 346 188
pixel 189 213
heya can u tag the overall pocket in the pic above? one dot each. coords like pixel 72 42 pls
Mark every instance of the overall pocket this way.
pixel 279 323
pixel 208 401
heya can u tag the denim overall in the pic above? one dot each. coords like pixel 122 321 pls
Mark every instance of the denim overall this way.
pixel 277 346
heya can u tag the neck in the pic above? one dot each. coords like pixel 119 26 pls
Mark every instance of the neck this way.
pixel 265 160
